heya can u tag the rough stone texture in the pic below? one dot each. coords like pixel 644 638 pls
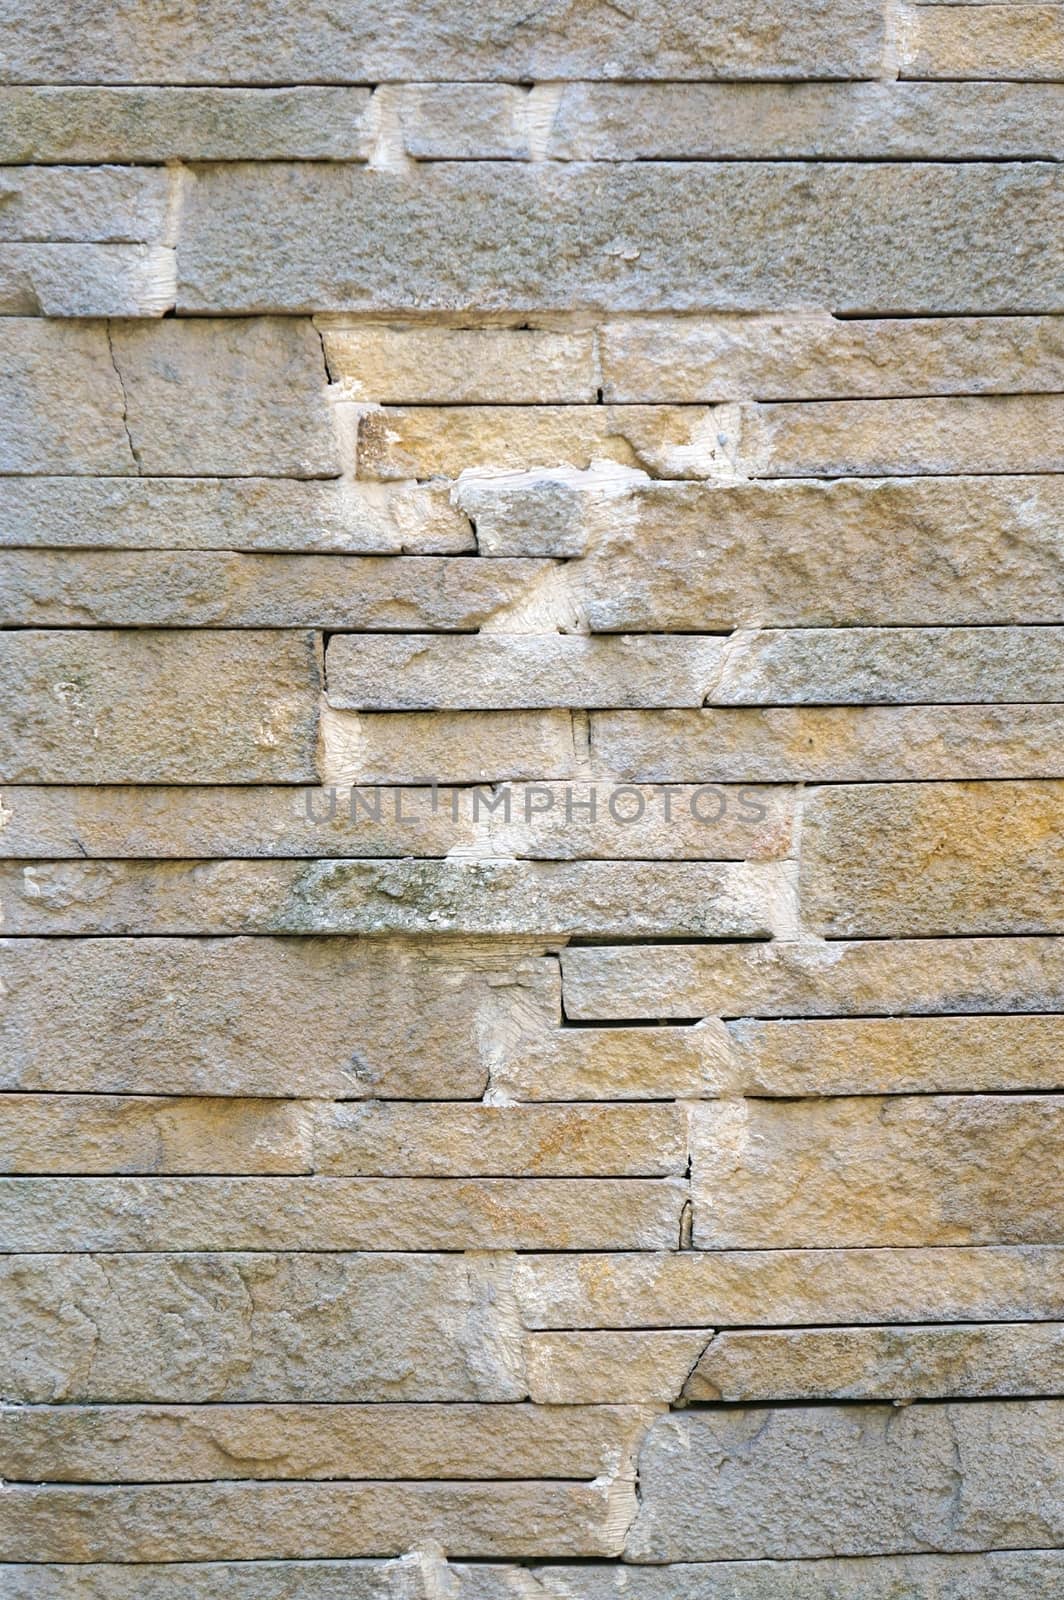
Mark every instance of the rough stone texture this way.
pixel 84 205
pixel 615 1064
pixel 949 858
pixel 56 124
pixel 870 978
pixel 922 1170
pixel 582 1368
pixel 251 514
pixel 417 673
pixel 881 1363
pixel 855 238
pixel 981 41
pixel 451 747
pixel 402 1579
pixel 465 122
pixel 63 400
pixel 334 1018
pixel 87 280
pixel 848 1481
pixel 426 365
pixel 89 706
pixel 738 900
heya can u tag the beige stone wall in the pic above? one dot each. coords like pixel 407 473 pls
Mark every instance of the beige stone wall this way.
pixel 532 883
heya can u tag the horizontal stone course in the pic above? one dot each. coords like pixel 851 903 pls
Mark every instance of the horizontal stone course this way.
pixel 426 364
pixel 981 40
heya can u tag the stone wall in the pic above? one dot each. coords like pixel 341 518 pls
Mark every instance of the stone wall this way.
pixel 533 761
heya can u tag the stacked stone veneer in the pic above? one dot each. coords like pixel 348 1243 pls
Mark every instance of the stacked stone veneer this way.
pixel 533 758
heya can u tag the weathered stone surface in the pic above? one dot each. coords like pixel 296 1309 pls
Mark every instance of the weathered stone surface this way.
pixel 911 1170
pixel 327 1017
pixel 997 433
pixel 194 1329
pixel 869 978
pixel 89 706
pixel 217 589
pixel 87 280
pixel 555 511
pixel 116 1444
pixel 981 41
pixel 615 1064
pixel 833 744
pixel 402 1579
pixel 476 897
pixel 450 747
pixel 819 121
pixel 852 1480
pixel 368 41
pixel 432 365
pixel 585 1368
pixel 816 356
pixel 971 858
pixel 832 666
pixel 62 399
pixel 842 554
pixel 252 1521
pixel 334 516
pixel 799 1287
pixel 84 205
pixel 493 672
pixel 56 124
pixel 425 442
pixel 910 1363
pixel 898 1055
pixel 464 121
pixel 225 396
pixel 856 237
pixel 281 1213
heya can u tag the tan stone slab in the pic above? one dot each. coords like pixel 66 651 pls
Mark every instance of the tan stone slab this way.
pixel 218 589
pixel 424 365
pixel 683 236
pixel 977 858
pixel 453 748
pixel 836 666
pixel 334 1018
pixel 615 1064
pixel 834 744
pixel 697 1289
pixel 848 553
pixel 393 898
pixel 225 396
pixel 495 671
pixel 585 1368
pixel 867 978
pixel 817 356
pixel 62 399
pixel 999 433
pixel 54 124
pixel 87 280
pixel 297 1214
pixel 812 121
pixel 807 1482
pixel 981 41
pixel 89 706
pixel 911 1363
pixel 252 1521
pixel 910 1170
pixel 898 1055
pixel 116 1444
pixel 299 1327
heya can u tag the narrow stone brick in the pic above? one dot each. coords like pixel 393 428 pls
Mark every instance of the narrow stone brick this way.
pixel 63 400
pixel 948 859
pixel 981 41
pixel 815 356
pixel 874 977
pixel 125 125
pixel 910 1363
pixel 849 1480
pixel 801 1287
pixel 89 706
pixel 432 365
pixel 550 511
pixel 812 121
pixel 615 1064
pixel 84 205
pixel 890 666
pixel 280 1213
pixel 397 897
pixel 464 121
pixel 921 1170
pixel 450 747
pixel 493 672
pixel 584 1368
pixel 127 1443
pixel 831 744
pixel 331 516
pixel 217 589
pixel 87 280
pixel 332 1018
pixel 401 1579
